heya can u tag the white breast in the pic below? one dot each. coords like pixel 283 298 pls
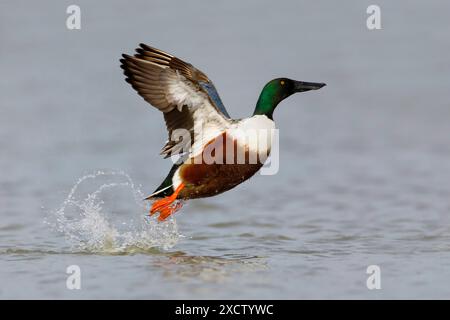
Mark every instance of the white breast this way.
pixel 244 131
pixel 256 132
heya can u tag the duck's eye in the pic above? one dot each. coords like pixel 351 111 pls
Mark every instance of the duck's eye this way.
pixel 282 82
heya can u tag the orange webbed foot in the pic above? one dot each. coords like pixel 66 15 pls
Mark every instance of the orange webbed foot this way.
pixel 167 205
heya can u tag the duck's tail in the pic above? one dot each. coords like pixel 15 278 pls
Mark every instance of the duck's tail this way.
pixel 160 193
pixel 166 187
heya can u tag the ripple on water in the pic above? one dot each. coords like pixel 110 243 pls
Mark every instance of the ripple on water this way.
pixel 12 227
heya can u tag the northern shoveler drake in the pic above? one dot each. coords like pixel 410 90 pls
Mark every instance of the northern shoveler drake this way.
pixel 199 125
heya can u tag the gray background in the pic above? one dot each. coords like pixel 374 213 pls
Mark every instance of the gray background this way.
pixel 364 173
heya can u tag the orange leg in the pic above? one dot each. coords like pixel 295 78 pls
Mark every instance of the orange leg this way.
pixel 166 206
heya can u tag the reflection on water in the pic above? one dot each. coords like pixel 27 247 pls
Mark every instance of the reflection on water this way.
pixel 173 266
pixel 179 266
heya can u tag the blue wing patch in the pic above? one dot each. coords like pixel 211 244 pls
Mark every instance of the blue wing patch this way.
pixel 212 92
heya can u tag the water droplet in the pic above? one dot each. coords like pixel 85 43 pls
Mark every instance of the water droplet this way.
pixel 85 224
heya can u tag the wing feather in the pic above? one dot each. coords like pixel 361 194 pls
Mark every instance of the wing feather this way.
pixel 183 93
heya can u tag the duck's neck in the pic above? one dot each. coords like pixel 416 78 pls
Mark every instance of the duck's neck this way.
pixel 267 102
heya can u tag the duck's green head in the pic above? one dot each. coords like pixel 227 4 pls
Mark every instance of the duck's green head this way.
pixel 279 89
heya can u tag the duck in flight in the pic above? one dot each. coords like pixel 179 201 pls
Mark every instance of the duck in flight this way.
pixel 200 128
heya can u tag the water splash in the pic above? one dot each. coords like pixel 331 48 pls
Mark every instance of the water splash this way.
pixel 88 217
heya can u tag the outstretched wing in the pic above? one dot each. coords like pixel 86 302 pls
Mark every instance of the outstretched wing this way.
pixel 183 93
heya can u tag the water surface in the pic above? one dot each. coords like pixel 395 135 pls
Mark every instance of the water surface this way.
pixel 364 162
